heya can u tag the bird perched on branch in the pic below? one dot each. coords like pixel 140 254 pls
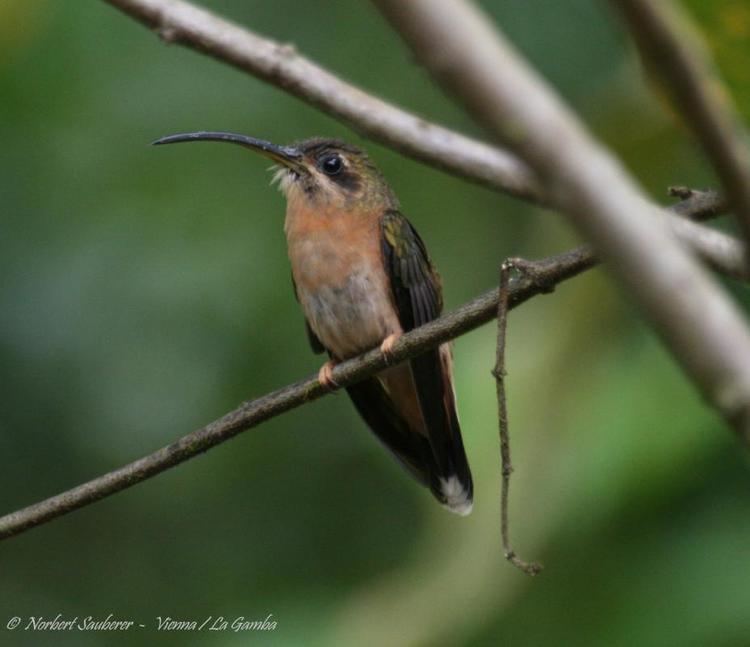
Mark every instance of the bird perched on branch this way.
pixel 363 277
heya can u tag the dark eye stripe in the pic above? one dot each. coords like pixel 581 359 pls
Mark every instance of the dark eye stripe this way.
pixel 346 180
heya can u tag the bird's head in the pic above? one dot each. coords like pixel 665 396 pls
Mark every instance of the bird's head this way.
pixel 319 171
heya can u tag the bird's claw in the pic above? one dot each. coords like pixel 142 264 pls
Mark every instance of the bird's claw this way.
pixel 325 375
pixel 387 346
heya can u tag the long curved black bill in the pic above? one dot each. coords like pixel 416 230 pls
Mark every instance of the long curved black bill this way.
pixel 287 155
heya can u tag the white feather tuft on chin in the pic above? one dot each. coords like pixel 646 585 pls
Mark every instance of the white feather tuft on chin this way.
pixel 282 178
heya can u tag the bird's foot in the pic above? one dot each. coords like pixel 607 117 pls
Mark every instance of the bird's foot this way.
pixel 387 346
pixel 325 375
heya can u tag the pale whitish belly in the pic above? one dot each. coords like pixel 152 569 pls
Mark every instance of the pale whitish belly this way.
pixel 352 317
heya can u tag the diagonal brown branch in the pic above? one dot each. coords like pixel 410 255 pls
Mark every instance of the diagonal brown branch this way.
pixel 250 414
pixel 669 47
pixel 548 273
pixel 280 65
pixel 700 324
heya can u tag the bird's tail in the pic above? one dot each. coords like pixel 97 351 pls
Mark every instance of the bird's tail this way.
pixel 451 481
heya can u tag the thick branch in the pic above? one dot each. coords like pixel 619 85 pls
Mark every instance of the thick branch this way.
pixel 670 48
pixel 280 65
pixel 699 323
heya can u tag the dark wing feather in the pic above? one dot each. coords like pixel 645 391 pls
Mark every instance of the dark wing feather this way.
pixel 376 408
pixel 315 343
pixel 415 286
pixel 414 282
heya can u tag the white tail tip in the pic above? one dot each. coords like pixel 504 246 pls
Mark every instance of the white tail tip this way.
pixel 457 499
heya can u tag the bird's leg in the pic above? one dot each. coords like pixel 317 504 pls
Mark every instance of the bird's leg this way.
pixel 387 346
pixel 325 375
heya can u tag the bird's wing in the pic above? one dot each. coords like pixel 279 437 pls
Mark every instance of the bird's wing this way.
pixel 414 282
pixel 417 296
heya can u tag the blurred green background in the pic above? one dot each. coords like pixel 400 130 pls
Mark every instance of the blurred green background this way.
pixel 144 292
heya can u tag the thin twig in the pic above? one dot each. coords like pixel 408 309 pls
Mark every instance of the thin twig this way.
pixel 180 22
pixel 670 47
pixel 698 321
pixel 499 372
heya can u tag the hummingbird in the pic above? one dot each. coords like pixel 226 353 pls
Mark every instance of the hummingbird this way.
pixel 363 277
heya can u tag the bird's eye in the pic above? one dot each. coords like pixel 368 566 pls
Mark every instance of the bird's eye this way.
pixel 331 164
